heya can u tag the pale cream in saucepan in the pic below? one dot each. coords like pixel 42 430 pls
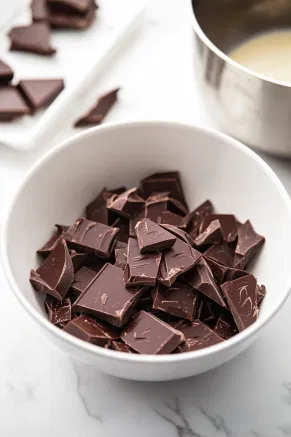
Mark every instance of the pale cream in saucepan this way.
pixel 268 54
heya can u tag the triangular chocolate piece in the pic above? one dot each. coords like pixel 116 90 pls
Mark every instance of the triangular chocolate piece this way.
pixel 152 237
pixel 12 104
pixel 6 73
pixel 211 235
pixel 96 115
pixel 221 253
pixel 228 223
pixel 34 38
pixel 39 93
pixel 248 244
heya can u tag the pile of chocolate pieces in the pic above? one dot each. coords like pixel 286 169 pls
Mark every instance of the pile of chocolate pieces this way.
pixel 142 274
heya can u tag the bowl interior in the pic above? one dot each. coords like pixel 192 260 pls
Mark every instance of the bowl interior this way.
pixel 212 166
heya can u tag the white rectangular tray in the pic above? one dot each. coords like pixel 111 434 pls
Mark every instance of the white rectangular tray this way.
pixel 80 57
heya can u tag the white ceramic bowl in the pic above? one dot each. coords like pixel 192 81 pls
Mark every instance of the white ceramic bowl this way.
pixel 212 166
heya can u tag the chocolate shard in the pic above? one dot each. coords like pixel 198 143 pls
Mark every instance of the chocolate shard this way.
pixel 108 298
pixel 39 10
pixel 59 19
pixel 97 210
pixel 210 311
pixel 211 235
pixel 70 6
pixel 221 253
pixel 6 73
pixel 228 223
pixel 121 258
pixel 56 274
pixel 91 237
pixel 141 269
pixel 46 249
pixel 134 220
pixel 127 204
pixel 218 270
pixel 248 244
pixel 34 38
pixel 12 104
pixel 225 326
pixel 88 329
pixel 59 313
pixel 163 182
pixel 194 219
pixel 179 233
pixel 178 300
pixel 198 336
pixel 97 114
pixel 97 264
pixel 177 260
pixel 147 334
pixel 122 224
pixel 152 237
pixel 80 259
pixel 241 296
pixel 232 274
pixel 82 280
pixel 121 347
pixel 41 92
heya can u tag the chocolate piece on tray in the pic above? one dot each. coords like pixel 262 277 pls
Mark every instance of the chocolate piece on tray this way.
pixel 241 296
pixel 97 210
pixel 228 223
pixel 194 219
pixel 225 326
pixel 53 240
pixel 88 329
pixel 39 10
pixel 56 274
pixel 152 237
pixel 59 313
pixel 82 280
pixel 127 204
pixel 179 233
pixel 34 38
pixel 108 298
pixel 211 235
pixel 147 334
pixel 163 182
pixel 91 237
pixel 12 104
pixel 248 244
pixel 70 6
pixel 141 269
pixel 6 73
pixel 178 300
pixel 97 114
pixel 121 347
pixel 198 336
pixel 39 93
pixel 121 258
pixel 73 21
pixel 221 253
pixel 177 260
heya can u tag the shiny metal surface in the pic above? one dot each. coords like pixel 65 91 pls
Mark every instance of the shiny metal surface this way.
pixel 250 107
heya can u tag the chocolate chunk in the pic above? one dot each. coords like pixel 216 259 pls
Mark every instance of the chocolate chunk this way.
pixel 56 274
pixel 248 244
pixel 145 303
pixel 6 74
pixel 40 93
pixel 177 260
pixel 59 313
pixel 241 296
pixel 211 235
pixel 108 298
pixel 221 253
pixel 121 258
pixel 178 300
pixel 127 204
pixel 198 336
pixel 88 329
pixel 46 249
pixel 80 259
pixel 34 38
pixel 91 237
pixel 97 210
pixel 39 10
pixel 201 278
pixel 97 114
pixel 141 269
pixel 261 293
pixel 12 104
pixel 179 233
pixel 70 6
pixel 232 274
pixel 82 280
pixel 123 225
pixel 121 347
pixel 73 21
pixel 210 311
pixel 228 223
pixel 163 182
pixel 152 237
pixel 96 264
pixel 225 326
pixel 146 334
pixel 218 270
pixel 133 222
pixel 194 219
pixel 170 218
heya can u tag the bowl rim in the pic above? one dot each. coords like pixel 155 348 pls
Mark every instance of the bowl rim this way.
pixel 85 347
pixel 204 38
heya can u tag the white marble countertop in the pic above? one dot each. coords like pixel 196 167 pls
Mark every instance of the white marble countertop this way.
pixel 44 393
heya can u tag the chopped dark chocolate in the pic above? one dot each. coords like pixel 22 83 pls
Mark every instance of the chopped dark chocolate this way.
pixel 228 223
pixel 194 219
pixel 218 270
pixel 97 114
pixel 261 293
pixel 108 298
pixel 225 326
pixel 211 235
pixel 39 10
pixel 232 274
pixel 97 210
pixel 41 92
pixel 73 21
pixel 80 259
pixel 127 204
pixel 221 253
pixel 210 311
pixel 6 73
pixel 179 233
pixel 147 334
pixel 46 249
pixel 122 224
pixel 59 313
pixel 170 218
pixel 34 38
pixel 70 6
pixel 133 222
pixel 145 303
pixel 248 244
pixel 152 237
pixel 163 182
pixel 121 347
pixel 198 336
pixel 121 258
pixel 178 300
pixel 82 280
pixel 12 104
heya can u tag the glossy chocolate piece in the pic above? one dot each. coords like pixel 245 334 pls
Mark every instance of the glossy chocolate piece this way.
pixel 108 298
pixel 147 334
pixel 70 6
pixel 177 260
pixel 41 92
pixel 59 313
pixel 248 245
pixel 141 269
pixel 221 253
pixel 6 73
pixel 73 21
pixel 179 233
pixel 228 223
pixel 56 274
pixel 34 38
pixel 97 210
pixel 211 235
pixel 82 280
pixel 12 104
pixel 97 114
pixel 121 258
pixel 178 300
pixel 127 204
pixel 241 296
pixel 163 182
pixel 152 237
pixel 91 237
pixel 39 10
pixel 121 347
pixel 80 259
pixel 46 249
pixel 194 219
pixel 122 224
pixel 198 336
pixel 91 330
pixel 225 326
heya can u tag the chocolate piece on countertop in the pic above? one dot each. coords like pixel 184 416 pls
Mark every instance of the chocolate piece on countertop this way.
pixel 46 249
pixel 241 296
pixel 70 6
pixel 194 219
pixel 152 237
pixel 80 259
pixel 178 300
pixel 121 347
pixel 12 104
pixel 211 235
pixel 108 298
pixel 39 93
pixel 56 274
pixel 82 280
pixel 133 222
pixel 122 224
pixel 147 334
pixel 59 313
pixel 228 223
pixel 179 233
pixel 127 204
pixel 141 269
pixel 6 74
pixel 88 329
pixel 225 326
pixel 121 258
pixel 97 114
pixel 198 336
pixel 97 210
pixel 91 237
pixel 221 253
pixel 39 10
pixel 163 182
pixel 177 260
pixel 261 293
pixel 248 244
pixel 73 21
pixel 34 38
